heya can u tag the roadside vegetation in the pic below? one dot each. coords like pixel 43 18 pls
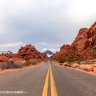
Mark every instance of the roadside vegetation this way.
pixel 31 62
pixel 10 64
pixel 14 64
pixel 86 65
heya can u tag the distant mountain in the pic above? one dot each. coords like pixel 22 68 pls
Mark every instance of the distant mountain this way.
pixel 49 53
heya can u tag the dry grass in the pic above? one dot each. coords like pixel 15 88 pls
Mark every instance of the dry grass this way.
pixel 67 64
pixel 30 62
pixel 75 65
pixel 10 64
pixel 86 68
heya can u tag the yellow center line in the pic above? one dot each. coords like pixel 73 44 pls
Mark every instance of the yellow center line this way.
pixel 53 86
pixel 45 89
pixel 52 83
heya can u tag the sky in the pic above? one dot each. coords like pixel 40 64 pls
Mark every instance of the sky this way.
pixel 46 24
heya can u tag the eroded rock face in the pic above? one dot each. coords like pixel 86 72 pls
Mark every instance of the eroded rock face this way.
pixel 83 47
pixel 25 53
pixel 88 45
pixel 45 56
pixel 67 53
pixel 29 52
pixel 5 56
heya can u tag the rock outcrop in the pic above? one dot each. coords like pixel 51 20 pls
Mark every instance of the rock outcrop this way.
pixel 67 53
pixel 83 47
pixel 5 56
pixel 85 42
pixel 29 52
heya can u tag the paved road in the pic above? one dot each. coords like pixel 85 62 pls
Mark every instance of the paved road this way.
pixel 49 79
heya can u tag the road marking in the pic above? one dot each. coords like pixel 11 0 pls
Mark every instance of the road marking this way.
pixel 52 83
pixel 53 86
pixel 45 89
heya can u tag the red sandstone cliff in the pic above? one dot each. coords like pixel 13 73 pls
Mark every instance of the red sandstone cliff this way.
pixel 83 47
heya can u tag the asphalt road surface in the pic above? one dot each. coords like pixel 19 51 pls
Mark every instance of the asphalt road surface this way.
pixel 47 80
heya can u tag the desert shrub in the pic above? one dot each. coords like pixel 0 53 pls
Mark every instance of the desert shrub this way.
pixel 71 60
pixel 84 62
pixel 10 64
pixel 61 63
pixel 31 62
pixel 79 61
pixel 93 60
pixel 75 65
pixel 67 64
pixel 86 68
pixel 27 63
pixel 66 60
pixel 34 62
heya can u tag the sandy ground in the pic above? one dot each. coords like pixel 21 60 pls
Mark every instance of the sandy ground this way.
pixel 92 73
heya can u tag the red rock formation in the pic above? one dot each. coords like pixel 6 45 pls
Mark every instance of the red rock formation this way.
pixel 83 47
pixel 67 53
pixel 5 56
pixel 86 45
pixel 29 52
pixel 45 56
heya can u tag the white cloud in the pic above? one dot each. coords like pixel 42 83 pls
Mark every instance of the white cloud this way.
pixel 81 11
pixel 11 45
pixel 43 43
pixel 14 47
pixel 57 20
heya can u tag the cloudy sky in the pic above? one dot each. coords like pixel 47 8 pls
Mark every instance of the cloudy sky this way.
pixel 47 24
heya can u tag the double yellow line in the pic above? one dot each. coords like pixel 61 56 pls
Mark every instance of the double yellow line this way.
pixel 52 83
